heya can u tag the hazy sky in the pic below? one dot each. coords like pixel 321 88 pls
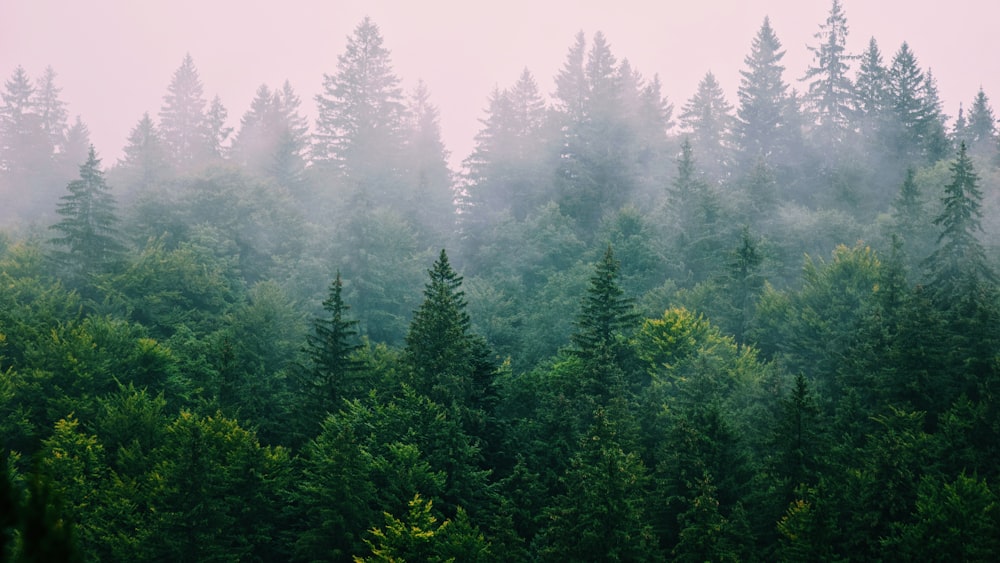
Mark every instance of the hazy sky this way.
pixel 115 58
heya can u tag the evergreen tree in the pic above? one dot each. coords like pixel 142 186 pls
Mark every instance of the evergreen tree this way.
pixel 332 347
pixel 76 145
pixel 871 87
pixel 910 219
pixel 508 170
pixel 600 513
pixel 830 89
pixel 709 117
pixel 761 119
pixel 915 132
pixel 958 265
pixel 429 196
pixel 185 128
pixel 26 150
pixel 981 132
pixel 88 232
pixel 144 160
pixel 289 161
pixel 605 320
pixel 360 116
pixel 50 109
pixel 439 344
pixel 218 131
pixel 697 217
pixel 257 133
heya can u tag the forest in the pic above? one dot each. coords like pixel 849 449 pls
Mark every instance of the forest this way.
pixel 623 330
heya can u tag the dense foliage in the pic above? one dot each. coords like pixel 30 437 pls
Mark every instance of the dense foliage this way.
pixel 598 341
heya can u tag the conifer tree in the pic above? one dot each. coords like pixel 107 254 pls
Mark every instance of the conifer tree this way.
pixel 184 126
pixel 25 149
pixel 360 116
pixel 830 89
pixel 958 266
pixel 507 170
pixel 871 85
pixel 144 160
pixel 763 96
pixel 87 241
pixel 331 347
pixel 439 344
pixel 50 109
pixel 218 131
pixel 709 117
pixel 606 319
pixel 981 132
pixel 429 196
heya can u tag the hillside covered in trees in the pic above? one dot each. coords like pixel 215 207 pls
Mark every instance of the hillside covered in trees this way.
pixel 627 329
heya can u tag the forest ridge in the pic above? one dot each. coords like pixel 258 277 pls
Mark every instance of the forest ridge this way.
pixel 623 331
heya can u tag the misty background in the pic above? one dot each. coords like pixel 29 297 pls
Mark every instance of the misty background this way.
pixel 114 58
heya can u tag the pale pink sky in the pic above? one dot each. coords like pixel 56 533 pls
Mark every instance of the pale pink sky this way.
pixel 114 58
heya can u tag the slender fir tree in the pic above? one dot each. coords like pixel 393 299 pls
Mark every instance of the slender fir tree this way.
pixel 87 242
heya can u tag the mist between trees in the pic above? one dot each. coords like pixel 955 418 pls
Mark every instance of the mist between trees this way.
pixel 623 331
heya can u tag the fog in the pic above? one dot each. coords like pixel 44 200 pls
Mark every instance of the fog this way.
pixel 114 58
pixel 557 281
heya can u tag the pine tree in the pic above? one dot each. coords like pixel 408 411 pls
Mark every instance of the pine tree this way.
pixel 75 147
pixel 763 96
pixel 910 218
pixel 830 91
pixel 981 132
pixel 361 112
pixel 709 118
pixel 88 233
pixel 218 131
pixel 430 195
pixel 958 266
pixel 50 109
pixel 26 149
pixel 871 84
pixel 606 318
pixel 184 126
pixel 289 162
pixel 332 374
pixel 915 132
pixel 256 135
pixel 439 342
pixel 144 160
pixel 507 170
pixel 696 216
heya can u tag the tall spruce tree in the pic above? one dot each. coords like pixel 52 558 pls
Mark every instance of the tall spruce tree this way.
pixel 87 242
pixel 830 89
pixel 187 133
pixel 981 131
pixel 763 95
pixel 709 118
pixel 26 150
pixel 958 266
pixel 871 86
pixel 360 117
pixel 144 160
pixel 439 342
pixel 429 195
pixel 332 376
pixel 607 317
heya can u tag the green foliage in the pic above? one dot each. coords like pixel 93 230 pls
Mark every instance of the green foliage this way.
pixel 418 537
pixel 599 513
pixel 953 520
pixel 331 349
pixel 88 230
pixel 215 492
